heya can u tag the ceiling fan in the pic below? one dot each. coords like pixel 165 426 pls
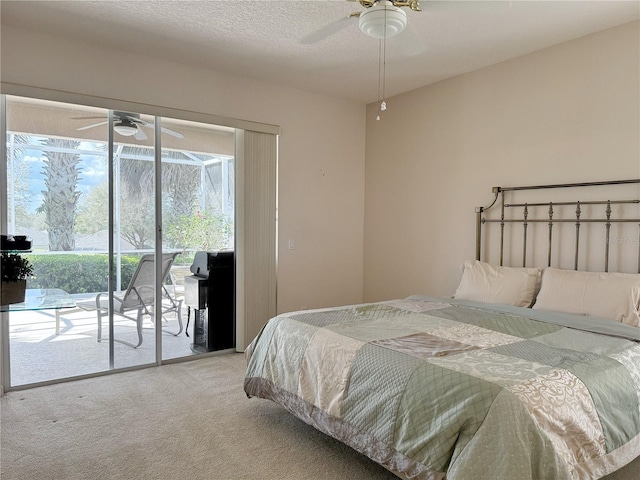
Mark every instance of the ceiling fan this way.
pixel 128 125
pixel 380 19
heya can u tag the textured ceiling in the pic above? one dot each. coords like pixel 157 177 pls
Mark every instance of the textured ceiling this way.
pixel 266 39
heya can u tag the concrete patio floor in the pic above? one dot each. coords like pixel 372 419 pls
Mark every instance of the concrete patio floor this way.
pixel 37 354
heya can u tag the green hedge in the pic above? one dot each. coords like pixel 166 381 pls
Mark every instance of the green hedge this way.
pixel 77 273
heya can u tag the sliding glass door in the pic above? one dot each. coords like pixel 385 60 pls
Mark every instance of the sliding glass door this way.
pixel 116 205
pixel 198 205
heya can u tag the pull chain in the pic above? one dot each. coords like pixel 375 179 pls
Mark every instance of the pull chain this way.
pixel 382 68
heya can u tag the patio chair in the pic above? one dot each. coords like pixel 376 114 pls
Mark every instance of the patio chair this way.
pixel 137 300
pixel 177 274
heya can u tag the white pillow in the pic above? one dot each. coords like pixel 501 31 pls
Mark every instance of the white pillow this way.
pixel 614 296
pixel 482 282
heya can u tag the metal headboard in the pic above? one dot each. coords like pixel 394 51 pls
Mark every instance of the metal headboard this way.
pixel 607 217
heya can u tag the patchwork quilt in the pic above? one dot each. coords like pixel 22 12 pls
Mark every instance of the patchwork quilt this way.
pixel 438 388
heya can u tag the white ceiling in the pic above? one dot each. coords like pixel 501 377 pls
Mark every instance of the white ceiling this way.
pixel 264 39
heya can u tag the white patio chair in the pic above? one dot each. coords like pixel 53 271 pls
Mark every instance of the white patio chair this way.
pixel 137 300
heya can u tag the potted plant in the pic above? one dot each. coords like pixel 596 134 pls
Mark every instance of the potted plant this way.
pixel 14 272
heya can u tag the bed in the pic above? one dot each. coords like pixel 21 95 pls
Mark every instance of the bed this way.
pixel 526 373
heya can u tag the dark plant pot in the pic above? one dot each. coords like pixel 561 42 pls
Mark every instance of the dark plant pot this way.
pixel 12 292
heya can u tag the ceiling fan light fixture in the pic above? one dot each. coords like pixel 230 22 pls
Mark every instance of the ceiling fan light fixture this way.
pixel 383 20
pixel 126 129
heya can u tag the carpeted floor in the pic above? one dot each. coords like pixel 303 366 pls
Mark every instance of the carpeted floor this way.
pixel 186 421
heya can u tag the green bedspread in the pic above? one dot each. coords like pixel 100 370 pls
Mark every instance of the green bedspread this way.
pixel 434 388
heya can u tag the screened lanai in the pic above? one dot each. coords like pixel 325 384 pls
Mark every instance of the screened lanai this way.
pixel 63 189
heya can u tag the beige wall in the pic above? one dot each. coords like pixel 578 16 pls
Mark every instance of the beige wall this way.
pixel 569 113
pixel 321 182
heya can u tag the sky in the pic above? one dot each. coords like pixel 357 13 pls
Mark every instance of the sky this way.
pixel 92 167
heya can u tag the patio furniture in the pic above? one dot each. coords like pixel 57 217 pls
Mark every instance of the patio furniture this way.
pixel 43 299
pixel 177 274
pixel 138 299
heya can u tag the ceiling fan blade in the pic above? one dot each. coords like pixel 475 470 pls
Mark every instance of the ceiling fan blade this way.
pixel 173 133
pixel 101 117
pixel 328 30
pixel 140 135
pixel 163 129
pixel 86 127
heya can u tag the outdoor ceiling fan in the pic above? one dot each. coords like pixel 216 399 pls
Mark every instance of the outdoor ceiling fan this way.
pixel 128 125
pixel 380 19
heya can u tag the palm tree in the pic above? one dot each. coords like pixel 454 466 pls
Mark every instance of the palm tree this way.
pixel 61 197
pixel 180 183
